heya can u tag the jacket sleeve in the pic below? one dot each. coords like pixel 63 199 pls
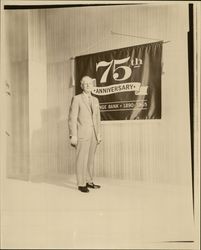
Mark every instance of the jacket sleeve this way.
pixel 72 117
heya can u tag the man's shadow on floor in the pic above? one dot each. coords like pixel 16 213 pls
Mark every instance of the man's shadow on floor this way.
pixel 62 181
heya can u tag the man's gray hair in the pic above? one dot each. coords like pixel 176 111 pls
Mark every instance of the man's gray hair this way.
pixel 86 79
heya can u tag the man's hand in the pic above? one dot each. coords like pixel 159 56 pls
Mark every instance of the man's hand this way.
pixel 99 139
pixel 73 141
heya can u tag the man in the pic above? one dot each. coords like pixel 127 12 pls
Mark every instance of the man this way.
pixel 84 132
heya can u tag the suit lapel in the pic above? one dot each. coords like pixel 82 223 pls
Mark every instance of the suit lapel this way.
pixel 92 103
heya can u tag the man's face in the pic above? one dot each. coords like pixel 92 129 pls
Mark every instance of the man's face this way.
pixel 87 86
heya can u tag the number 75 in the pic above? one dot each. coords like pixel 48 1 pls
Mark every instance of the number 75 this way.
pixel 108 65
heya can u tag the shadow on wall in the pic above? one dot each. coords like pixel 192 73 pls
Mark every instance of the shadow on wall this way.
pixel 51 156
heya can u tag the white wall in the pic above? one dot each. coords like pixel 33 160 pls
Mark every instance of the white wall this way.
pixel 37 91
pixel 15 81
pixel 157 151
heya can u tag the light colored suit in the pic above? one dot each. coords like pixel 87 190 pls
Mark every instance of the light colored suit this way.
pixel 84 123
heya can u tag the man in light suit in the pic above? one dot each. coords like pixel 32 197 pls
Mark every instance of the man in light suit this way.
pixel 84 132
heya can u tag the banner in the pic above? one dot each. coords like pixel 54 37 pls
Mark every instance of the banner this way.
pixel 127 81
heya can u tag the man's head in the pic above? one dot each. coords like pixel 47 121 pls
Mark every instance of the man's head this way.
pixel 87 84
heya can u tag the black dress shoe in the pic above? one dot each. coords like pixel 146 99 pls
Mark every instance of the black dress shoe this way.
pixel 83 189
pixel 92 185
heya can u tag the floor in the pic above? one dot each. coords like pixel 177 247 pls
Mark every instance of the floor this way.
pixel 122 214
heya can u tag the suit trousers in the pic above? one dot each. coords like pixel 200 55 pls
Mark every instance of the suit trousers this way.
pixel 85 153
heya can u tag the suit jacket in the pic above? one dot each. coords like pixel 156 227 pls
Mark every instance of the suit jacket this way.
pixel 83 118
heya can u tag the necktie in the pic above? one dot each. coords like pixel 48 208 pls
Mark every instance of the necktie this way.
pixel 90 103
